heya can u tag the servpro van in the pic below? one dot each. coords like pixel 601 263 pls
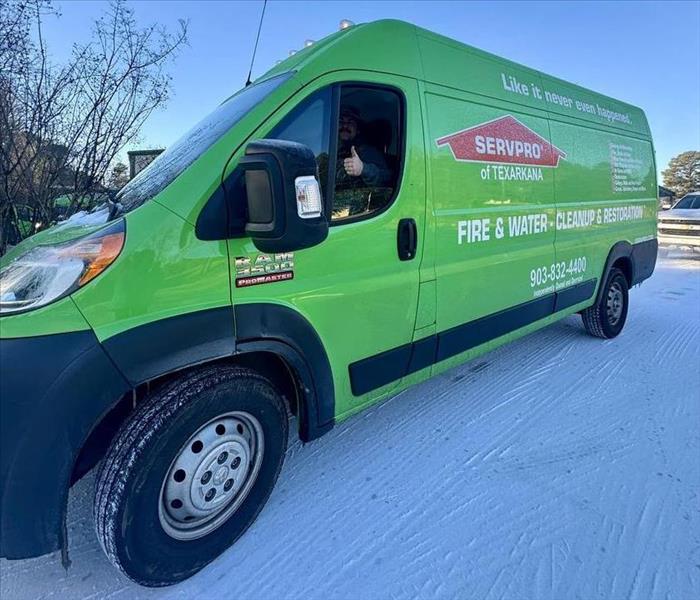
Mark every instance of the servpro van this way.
pixel 376 209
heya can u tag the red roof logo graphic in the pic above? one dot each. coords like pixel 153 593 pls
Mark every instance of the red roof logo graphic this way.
pixel 503 140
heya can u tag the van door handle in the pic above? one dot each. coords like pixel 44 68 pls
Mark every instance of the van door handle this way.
pixel 407 239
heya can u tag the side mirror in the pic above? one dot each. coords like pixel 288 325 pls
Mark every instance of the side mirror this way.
pixel 285 208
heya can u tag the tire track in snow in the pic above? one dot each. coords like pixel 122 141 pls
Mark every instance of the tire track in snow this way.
pixel 558 466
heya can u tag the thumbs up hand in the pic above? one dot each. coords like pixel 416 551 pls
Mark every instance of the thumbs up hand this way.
pixel 353 165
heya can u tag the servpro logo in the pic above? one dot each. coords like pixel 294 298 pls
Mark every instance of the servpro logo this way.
pixel 504 140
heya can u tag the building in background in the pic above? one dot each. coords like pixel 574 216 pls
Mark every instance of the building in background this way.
pixel 666 198
pixel 140 159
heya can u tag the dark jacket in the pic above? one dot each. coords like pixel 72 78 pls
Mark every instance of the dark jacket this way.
pixel 375 171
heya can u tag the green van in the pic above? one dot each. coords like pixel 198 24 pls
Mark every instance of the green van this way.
pixel 383 205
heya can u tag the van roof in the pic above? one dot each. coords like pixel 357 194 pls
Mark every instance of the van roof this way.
pixel 397 47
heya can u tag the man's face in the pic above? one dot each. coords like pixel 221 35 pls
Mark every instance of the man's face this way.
pixel 347 128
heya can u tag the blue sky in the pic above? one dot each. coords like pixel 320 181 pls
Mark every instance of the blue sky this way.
pixel 645 53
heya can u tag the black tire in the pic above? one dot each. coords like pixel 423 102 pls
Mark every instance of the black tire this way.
pixel 601 320
pixel 130 479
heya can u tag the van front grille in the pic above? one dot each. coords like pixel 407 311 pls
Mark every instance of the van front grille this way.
pixel 680 232
pixel 679 222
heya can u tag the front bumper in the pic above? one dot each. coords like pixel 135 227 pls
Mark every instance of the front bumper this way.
pixel 53 390
pixel 679 240
pixel 676 231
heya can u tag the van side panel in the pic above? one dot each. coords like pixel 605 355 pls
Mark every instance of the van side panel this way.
pixel 537 180
pixel 453 64
pixel 495 219
pixel 605 193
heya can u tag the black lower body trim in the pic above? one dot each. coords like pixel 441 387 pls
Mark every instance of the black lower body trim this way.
pixel 53 389
pixel 376 371
pixel 154 349
pixel 472 334
pixel 644 259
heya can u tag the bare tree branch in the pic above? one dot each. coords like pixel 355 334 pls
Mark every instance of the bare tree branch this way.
pixel 61 126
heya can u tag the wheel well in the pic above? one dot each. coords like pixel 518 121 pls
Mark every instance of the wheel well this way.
pixel 268 364
pixel 276 369
pixel 624 263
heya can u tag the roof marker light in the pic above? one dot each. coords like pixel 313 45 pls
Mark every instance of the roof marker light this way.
pixel 346 24
pixel 308 43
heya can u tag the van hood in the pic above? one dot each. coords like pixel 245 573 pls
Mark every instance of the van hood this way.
pixel 80 224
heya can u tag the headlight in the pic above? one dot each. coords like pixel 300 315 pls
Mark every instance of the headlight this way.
pixel 47 273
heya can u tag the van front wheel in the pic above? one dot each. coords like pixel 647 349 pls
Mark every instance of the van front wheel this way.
pixel 606 318
pixel 189 472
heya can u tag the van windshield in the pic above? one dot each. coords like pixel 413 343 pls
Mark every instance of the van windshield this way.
pixel 164 169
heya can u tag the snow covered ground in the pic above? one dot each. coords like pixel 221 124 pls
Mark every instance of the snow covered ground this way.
pixel 560 466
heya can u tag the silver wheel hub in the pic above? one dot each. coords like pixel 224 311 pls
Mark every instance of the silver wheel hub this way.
pixel 211 475
pixel 615 303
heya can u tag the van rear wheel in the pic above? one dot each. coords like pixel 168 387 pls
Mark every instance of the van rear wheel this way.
pixel 606 318
pixel 189 472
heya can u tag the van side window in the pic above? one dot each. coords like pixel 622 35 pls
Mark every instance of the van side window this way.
pixel 369 151
pixel 309 124
pixel 369 145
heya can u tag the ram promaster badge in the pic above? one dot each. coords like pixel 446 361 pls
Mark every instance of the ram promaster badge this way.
pixel 379 207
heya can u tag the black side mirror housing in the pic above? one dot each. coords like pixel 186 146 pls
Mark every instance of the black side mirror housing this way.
pixel 272 168
pixel 259 199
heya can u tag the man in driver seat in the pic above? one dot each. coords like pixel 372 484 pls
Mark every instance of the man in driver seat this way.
pixel 362 171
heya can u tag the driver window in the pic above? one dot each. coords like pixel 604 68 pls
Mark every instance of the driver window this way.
pixel 309 124
pixel 369 151
pixel 368 146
